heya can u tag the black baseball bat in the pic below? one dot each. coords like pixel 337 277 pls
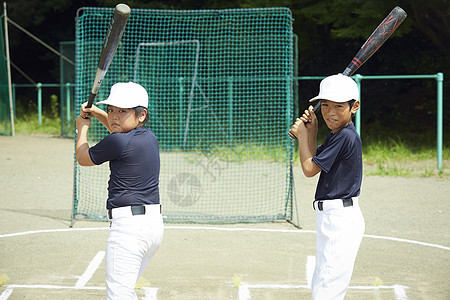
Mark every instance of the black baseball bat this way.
pixel 372 44
pixel 110 44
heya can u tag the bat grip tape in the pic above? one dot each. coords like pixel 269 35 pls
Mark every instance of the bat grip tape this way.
pixel 91 100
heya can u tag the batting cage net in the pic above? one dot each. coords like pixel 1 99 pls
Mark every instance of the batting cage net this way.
pixel 5 111
pixel 220 85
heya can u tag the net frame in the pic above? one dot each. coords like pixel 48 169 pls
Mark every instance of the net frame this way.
pixel 205 159
pixel 6 121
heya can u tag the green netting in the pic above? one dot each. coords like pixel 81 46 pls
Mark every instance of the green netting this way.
pixel 220 86
pixel 5 111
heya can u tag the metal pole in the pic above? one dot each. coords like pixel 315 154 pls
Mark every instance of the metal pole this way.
pixel 14 98
pixel 8 64
pixel 61 91
pixel 67 104
pixel 296 110
pixel 39 87
pixel 440 105
pixel 358 78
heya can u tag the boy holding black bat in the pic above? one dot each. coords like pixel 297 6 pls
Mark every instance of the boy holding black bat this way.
pixel 133 203
pixel 340 224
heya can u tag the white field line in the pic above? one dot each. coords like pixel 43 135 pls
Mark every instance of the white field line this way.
pixel 52 287
pixel 93 266
pixel 230 229
pixel 400 292
pixel 310 266
pixel 150 293
pixel 6 293
pixel 306 231
pixel 406 241
pixel 50 230
pixel 10 288
pixel 244 289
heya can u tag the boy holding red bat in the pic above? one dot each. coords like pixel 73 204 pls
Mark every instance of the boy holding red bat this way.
pixel 340 223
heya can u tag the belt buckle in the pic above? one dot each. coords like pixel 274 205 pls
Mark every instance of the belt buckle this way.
pixel 347 202
pixel 138 210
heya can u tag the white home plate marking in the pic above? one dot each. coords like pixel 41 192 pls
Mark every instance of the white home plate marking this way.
pixel 244 288
pixel 93 266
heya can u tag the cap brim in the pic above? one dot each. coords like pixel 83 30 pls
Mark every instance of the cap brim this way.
pixel 114 103
pixel 330 98
pixel 103 102
pixel 315 99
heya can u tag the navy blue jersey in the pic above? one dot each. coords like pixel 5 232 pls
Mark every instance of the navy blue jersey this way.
pixel 340 159
pixel 134 164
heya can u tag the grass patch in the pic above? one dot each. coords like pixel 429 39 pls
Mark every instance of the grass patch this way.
pixel 388 169
pixel 241 153
pixel 29 124
pixel 396 150
pixel 251 152
pixel 397 157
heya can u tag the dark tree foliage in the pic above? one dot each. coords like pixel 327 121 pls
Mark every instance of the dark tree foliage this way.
pixel 329 33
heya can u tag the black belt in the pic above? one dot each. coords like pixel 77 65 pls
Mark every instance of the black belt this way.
pixel 345 202
pixel 135 210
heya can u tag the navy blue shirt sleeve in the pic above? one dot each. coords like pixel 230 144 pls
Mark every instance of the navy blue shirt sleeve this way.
pixel 108 149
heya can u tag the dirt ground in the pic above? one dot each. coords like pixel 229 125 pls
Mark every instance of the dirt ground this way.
pixel 405 253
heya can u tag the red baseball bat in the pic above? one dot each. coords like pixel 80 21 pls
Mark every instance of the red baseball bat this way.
pixel 372 44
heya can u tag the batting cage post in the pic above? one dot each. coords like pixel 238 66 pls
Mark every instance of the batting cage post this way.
pixel 439 77
pixel 8 66
pixel 220 85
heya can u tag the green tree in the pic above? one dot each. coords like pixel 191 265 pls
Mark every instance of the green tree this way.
pixel 329 33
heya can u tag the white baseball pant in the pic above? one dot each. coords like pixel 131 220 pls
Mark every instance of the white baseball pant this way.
pixel 339 233
pixel 132 242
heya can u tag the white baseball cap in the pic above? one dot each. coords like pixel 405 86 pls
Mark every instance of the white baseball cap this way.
pixel 337 88
pixel 127 95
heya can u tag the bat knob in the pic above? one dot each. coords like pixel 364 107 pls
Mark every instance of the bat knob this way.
pixel 123 9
